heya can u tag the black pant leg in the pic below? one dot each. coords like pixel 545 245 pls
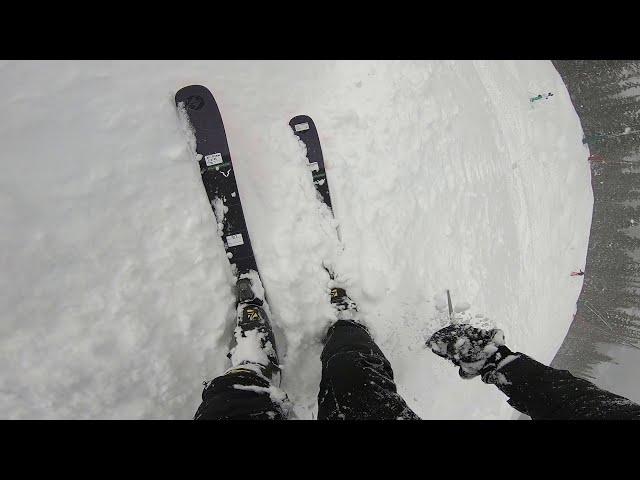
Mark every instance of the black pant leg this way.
pixel 357 379
pixel 241 394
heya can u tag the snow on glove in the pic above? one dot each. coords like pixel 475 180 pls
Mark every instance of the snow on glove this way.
pixel 475 351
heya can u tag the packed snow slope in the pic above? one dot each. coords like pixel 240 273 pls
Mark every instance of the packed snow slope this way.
pixel 116 292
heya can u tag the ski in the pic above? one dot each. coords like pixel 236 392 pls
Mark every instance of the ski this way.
pixel 216 169
pixel 198 105
pixel 305 129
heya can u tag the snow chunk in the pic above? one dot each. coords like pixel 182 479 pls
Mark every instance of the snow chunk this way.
pixel 219 209
pixel 256 284
pixel 277 396
pixel 249 348
pixel 187 130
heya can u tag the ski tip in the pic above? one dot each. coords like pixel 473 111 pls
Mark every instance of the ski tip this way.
pixel 191 91
pixel 299 120
pixel 192 88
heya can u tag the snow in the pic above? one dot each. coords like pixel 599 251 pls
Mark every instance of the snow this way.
pixel 620 375
pixel 248 348
pixel 117 297
pixel 256 284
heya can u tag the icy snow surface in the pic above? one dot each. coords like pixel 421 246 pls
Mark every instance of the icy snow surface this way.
pixel 116 297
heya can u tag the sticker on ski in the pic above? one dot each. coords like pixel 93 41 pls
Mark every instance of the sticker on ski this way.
pixel 235 240
pixel 213 159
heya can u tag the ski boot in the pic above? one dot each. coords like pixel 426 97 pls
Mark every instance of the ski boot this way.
pixel 345 307
pixel 255 346
pixel 346 310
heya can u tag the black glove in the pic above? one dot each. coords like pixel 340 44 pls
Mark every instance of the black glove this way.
pixel 475 351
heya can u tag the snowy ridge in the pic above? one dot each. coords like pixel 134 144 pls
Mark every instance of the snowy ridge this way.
pixel 117 295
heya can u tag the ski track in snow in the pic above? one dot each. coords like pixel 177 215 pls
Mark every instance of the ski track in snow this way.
pixel 116 291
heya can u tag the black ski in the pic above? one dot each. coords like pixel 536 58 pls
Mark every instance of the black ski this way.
pixel 304 128
pixel 216 168
pixel 306 131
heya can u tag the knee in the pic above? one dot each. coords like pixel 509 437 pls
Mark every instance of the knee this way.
pixel 241 394
pixel 353 370
pixel 347 336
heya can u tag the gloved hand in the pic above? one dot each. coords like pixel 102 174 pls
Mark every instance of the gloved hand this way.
pixel 475 351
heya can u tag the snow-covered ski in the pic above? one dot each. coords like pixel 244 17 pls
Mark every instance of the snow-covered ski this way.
pixel 305 129
pixel 216 168
pixel 197 104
